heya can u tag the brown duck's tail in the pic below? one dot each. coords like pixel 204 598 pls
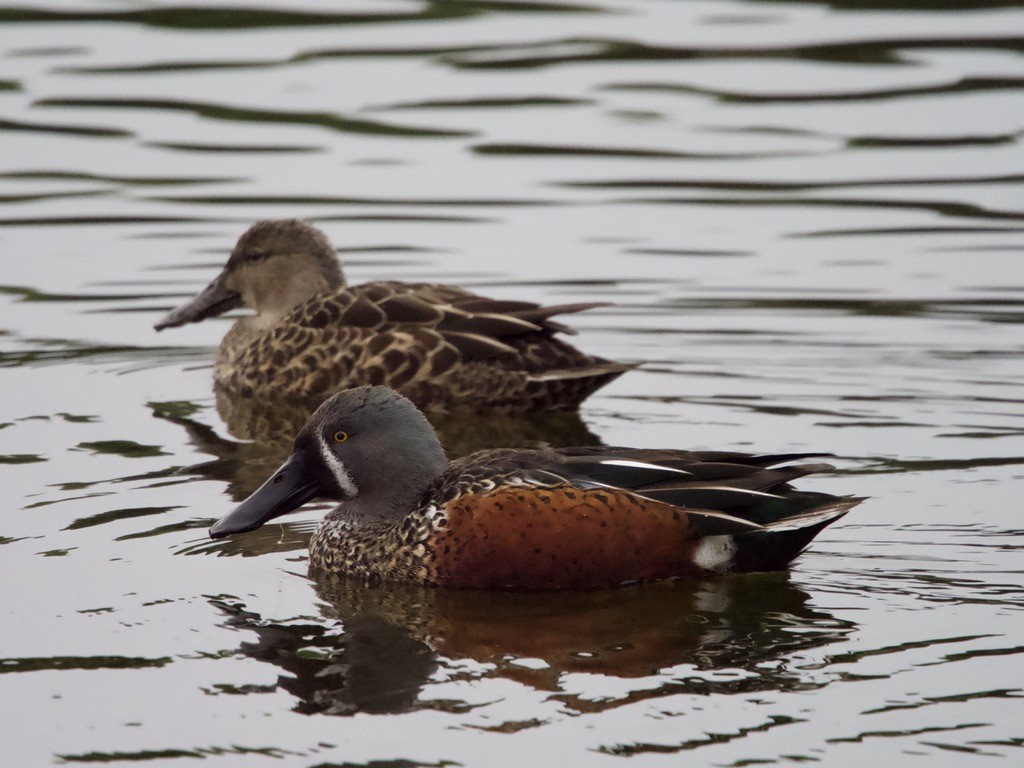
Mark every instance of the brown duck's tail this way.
pixel 780 541
pixel 568 387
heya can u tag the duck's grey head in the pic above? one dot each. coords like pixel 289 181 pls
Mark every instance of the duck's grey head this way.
pixel 369 448
pixel 276 265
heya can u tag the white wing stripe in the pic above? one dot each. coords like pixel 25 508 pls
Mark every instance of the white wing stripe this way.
pixel 644 465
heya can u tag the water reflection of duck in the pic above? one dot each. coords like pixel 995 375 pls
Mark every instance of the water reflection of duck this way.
pixel 632 631
pixel 265 430
pixel 441 346
pixel 271 423
pixel 392 639
pixel 535 519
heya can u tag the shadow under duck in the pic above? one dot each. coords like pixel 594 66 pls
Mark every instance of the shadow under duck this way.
pixel 526 518
pixel 439 345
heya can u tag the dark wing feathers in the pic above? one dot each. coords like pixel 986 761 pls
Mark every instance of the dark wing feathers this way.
pixel 640 469
pixel 771 459
pixel 709 523
pixel 726 496
pixel 744 476
pixel 709 497
pixel 619 473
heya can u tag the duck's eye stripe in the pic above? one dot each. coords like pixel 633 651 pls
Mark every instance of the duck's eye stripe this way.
pixel 340 437
pixel 345 482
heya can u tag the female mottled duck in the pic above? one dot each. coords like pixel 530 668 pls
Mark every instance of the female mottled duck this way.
pixel 441 346
pixel 525 518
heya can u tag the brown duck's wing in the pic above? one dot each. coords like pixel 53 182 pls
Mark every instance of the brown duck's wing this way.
pixel 379 331
pixel 519 334
pixel 439 345
pixel 460 307
pixel 476 326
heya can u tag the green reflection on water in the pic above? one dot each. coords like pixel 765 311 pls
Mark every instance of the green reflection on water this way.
pixel 129 449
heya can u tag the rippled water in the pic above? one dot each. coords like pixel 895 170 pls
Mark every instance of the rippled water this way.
pixel 809 218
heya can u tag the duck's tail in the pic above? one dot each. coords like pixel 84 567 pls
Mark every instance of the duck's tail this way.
pixel 566 388
pixel 780 541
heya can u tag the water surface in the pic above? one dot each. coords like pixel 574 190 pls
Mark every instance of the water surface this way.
pixel 809 217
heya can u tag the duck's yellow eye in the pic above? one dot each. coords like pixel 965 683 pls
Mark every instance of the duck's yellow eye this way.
pixel 340 437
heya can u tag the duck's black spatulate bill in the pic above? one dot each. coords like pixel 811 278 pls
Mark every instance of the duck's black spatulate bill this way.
pixel 291 486
pixel 214 300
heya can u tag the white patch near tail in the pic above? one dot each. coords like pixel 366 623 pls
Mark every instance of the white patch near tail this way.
pixel 714 553
pixel 341 475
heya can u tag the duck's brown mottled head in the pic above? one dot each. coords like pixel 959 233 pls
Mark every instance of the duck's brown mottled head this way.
pixel 276 265
pixel 367 447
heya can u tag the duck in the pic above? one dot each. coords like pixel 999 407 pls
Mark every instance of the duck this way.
pixel 443 347
pixel 530 519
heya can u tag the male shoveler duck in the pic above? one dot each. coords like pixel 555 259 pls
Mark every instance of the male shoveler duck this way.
pixel 529 519
pixel 441 346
